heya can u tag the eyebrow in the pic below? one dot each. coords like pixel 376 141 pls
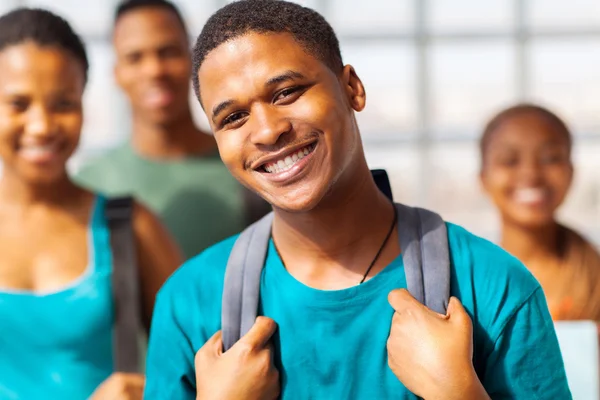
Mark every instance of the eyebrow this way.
pixel 284 77
pixel 219 108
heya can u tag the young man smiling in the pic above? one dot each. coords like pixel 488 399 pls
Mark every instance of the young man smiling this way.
pixel 281 102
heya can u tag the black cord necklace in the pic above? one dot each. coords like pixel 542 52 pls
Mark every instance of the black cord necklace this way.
pixel 387 237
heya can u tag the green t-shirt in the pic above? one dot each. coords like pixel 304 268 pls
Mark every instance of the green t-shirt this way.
pixel 332 344
pixel 196 197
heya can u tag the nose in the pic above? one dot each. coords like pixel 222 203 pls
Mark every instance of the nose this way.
pixel 530 171
pixel 153 67
pixel 268 125
pixel 39 122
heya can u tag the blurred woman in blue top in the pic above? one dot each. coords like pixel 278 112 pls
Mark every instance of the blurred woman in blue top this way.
pixel 55 288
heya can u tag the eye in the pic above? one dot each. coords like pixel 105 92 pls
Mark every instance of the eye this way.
pixel 133 58
pixel 65 105
pixel 551 158
pixel 289 94
pixel 19 105
pixel 232 119
pixel 169 52
pixel 508 160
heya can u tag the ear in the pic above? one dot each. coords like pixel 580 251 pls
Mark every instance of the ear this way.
pixel 354 89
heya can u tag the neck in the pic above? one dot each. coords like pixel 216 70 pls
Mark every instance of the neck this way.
pixel 177 139
pixel 345 229
pixel 531 243
pixel 15 192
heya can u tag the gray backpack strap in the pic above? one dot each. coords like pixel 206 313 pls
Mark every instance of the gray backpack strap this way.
pixel 424 243
pixel 241 291
pixel 125 285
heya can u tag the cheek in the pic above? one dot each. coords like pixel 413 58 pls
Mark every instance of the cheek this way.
pixel 560 179
pixel 9 133
pixel 496 180
pixel 230 148
pixel 71 127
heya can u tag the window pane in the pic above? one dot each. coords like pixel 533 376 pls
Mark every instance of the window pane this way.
pixel 196 13
pixel 461 15
pixel 454 189
pixel 469 83
pixel 387 71
pixel 87 17
pixel 397 160
pixel 7 5
pixel 356 17
pixel 561 13
pixel 106 113
pixel 565 75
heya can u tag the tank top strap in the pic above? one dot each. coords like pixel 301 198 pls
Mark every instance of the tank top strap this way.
pixel 101 254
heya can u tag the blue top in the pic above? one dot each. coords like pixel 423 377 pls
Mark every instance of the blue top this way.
pixel 332 344
pixel 58 345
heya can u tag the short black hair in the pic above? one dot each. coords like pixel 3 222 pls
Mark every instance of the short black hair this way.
pixel 43 28
pixel 307 26
pixel 521 109
pixel 127 6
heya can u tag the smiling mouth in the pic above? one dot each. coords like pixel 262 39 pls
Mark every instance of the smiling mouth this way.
pixel 530 196
pixel 287 162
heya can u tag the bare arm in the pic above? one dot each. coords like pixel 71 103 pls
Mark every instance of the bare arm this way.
pixel 158 256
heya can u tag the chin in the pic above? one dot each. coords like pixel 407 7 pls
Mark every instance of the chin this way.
pixel 534 220
pixel 295 201
pixel 43 178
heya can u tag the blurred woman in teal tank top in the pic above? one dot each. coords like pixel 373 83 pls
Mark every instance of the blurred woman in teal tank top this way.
pixel 56 308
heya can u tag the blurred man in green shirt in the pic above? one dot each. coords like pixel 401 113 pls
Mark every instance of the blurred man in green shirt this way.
pixel 169 164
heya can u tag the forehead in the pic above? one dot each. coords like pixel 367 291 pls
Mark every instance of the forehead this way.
pixel 147 26
pixel 529 128
pixel 41 67
pixel 251 59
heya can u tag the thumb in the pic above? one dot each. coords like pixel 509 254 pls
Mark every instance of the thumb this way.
pixel 260 333
pixel 401 300
pixel 456 312
pixel 211 350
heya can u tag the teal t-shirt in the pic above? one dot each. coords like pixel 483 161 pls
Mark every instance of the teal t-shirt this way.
pixel 332 344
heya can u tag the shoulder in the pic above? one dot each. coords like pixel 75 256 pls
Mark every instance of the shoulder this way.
pixel 208 265
pixel 192 295
pixel 102 169
pixel 106 158
pixel 201 277
pixel 484 260
pixel 492 284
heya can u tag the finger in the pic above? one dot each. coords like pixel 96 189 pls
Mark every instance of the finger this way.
pixel 136 393
pixel 401 301
pixel 457 313
pixel 213 347
pixel 129 378
pixel 260 333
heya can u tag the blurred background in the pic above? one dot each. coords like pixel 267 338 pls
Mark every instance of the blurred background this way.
pixel 435 71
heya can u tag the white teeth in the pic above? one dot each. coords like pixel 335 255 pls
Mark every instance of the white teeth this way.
pixel 530 195
pixel 37 152
pixel 288 161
